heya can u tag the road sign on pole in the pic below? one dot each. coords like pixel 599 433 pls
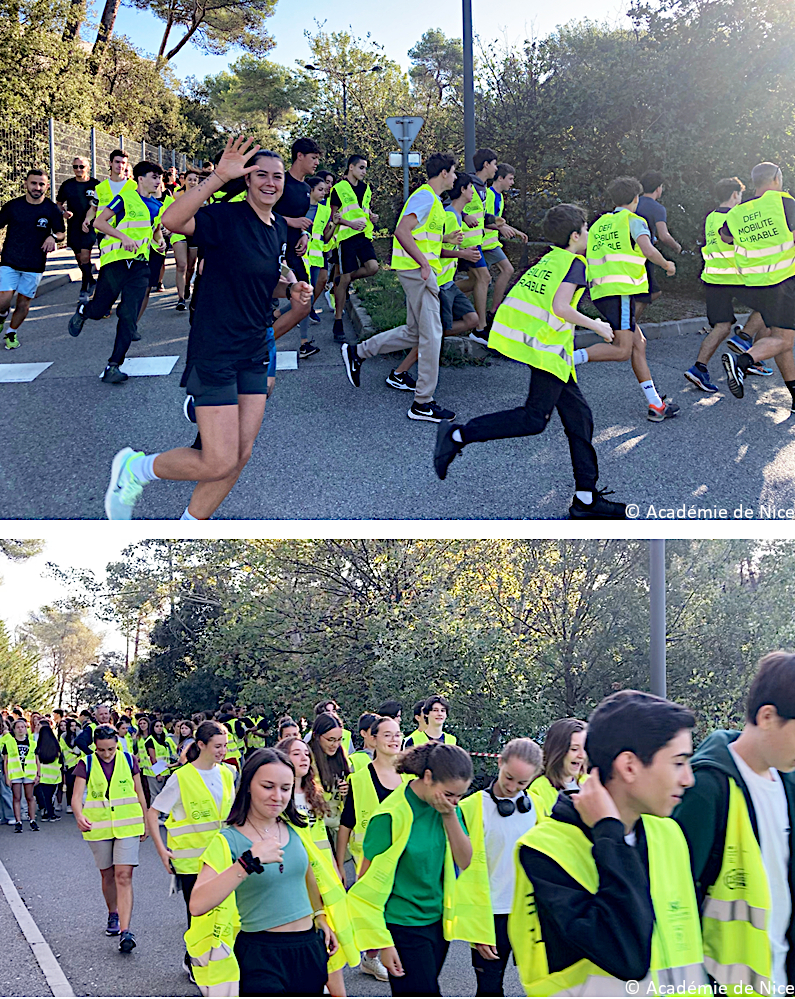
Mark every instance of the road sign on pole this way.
pixel 405 129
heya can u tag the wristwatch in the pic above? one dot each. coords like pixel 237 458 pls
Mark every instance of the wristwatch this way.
pixel 249 863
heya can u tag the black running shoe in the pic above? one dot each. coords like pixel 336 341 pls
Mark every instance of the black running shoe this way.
pixel 136 336
pixel 735 376
pixel 446 448
pixel 126 941
pixel 77 321
pixel 430 412
pixel 114 375
pixel 34 826
pixel 314 318
pixel 353 363
pixel 180 306
pixel 599 509
pixel 308 349
pixel 18 827
pixel 339 332
pixel 480 336
pixel 187 292
pixel 402 380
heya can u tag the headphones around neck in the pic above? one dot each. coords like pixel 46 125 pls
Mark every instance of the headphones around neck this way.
pixel 505 806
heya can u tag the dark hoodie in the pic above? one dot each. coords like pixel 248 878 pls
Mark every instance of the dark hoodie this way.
pixel 704 810
pixel 612 928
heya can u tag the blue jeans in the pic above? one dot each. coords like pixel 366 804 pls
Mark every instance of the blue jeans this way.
pixel 6 801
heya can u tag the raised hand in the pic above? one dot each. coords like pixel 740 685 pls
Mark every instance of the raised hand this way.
pixel 233 159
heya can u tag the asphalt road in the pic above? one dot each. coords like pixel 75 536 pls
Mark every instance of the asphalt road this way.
pixel 54 873
pixel 330 452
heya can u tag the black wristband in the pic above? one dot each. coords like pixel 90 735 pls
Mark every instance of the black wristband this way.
pixel 249 863
pixel 289 289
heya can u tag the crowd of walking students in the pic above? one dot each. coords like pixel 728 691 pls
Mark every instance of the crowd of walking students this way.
pixel 609 860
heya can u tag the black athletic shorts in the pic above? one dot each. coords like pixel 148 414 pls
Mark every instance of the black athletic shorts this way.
pixel 155 263
pixel 214 386
pixel 775 303
pixel 78 240
pixel 720 303
pixel 354 252
pixel 618 310
pixel 653 286
pixel 282 964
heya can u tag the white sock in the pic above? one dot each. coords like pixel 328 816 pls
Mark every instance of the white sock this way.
pixel 584 497
pixel 187 515
pixel 650 392
pixel 457 436
pixel 580 356
pixel 142 467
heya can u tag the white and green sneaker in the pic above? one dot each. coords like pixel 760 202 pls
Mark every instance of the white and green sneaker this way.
pixel 124 488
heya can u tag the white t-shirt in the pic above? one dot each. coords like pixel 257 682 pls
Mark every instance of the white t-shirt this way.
pixel 420 204
pixel 169 800
pixel 772 819
pixel 500 833
pixel 116 185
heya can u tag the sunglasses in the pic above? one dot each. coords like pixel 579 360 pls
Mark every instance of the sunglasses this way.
pixel 78 166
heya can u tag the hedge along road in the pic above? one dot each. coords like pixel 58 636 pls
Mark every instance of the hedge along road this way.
pixel 328 451
pixel 54 872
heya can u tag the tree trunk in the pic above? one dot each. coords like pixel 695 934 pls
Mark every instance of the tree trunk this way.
pixel 184 40
pixel 166 33
pixel 104 33
pixel 74 20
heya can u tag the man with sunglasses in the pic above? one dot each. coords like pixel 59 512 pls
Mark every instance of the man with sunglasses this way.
pixel 75 197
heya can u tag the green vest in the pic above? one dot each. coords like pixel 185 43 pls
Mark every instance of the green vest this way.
pixel 105 195
pixel 365 804
pixel 616 266
pixel 153 246
pixel 491 237
pixel 188 838
pixel 112 808
pixel 233 744
pixel 473 883
pixel 359 760
pixel 71 755
pixel 525 326
pixel 544 796
pixel 475 208
pixel 142 754
pixel 418 738
pixel 50 773
pixel 16 771
pixel 314 254
pixel 449 264
pixel 368 897
pixel 676 951
pixel 136 225
pixel 736 909
pixel 763 246
pixel 720 266
pixel 427 236
pixel 350 210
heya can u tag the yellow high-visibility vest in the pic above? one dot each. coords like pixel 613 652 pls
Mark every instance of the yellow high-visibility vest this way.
pixel 616 265
pixel 112 808
pixel 188 838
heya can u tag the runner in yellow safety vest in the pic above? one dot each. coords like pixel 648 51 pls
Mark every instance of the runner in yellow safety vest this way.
pixel 492 251
pixel 722 281
pixel 763 233
pixel 535 325
pixel 612 862
pixel 619 244
pixel 476 224
pixel 106 190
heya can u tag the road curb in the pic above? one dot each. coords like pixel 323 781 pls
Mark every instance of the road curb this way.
pixel 652 331
pixel 47 961
pixel 49 284
pixel 359 316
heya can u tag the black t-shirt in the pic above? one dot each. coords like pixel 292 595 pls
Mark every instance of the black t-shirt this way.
pixel 28 227
pixel 78 196
pixel 348 817
pixel 293 204
pixel 242 266
pixel 358 189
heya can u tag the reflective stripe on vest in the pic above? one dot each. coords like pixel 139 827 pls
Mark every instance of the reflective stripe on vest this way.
pixel 676 953
pixel 491 237
pixel 71 755
pixel 526 329
pixel 764 250
pixel 136 225
pixel 16 771
pixel 615 266
pixel 472 887
pixel 113 809
pixel 719 263
pixel 350 210
pixel 50 773
pixel 314 254
pixel 188 838
pixel 365 805
pixel 368 897
pixel 449 264
pixel 476 209
pixel 427 236
pixel 737 908
pixel 105 195
pixel 153 246
pixel 210 939
pixel 233 744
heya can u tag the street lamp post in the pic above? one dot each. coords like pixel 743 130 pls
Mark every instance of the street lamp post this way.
pixel 657 617
pixel 469 88
pixel 343 76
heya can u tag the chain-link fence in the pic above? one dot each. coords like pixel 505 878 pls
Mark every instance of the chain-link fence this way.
pixel 52 145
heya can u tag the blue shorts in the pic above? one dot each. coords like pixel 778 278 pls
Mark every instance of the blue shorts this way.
pixel 23 282
pixel 466 265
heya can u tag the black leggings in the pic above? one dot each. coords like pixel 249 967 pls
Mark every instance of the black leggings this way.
pixel 490 974
pixel 44 795
pixel 422 950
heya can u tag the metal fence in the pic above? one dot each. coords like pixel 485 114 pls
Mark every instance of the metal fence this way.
pixel 27 142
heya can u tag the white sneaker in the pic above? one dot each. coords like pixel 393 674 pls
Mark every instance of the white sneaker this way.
pixel 69 810
pixel 58 807
pixel 329 299
pixel 11 822
pixel 124 488
pixel 373 966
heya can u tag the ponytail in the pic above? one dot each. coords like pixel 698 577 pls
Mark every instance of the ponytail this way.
pixel 206 731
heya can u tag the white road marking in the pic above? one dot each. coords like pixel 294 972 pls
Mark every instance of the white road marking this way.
pixel 53 972
pixel 137 367
pixel 286 360
pixel 22 372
